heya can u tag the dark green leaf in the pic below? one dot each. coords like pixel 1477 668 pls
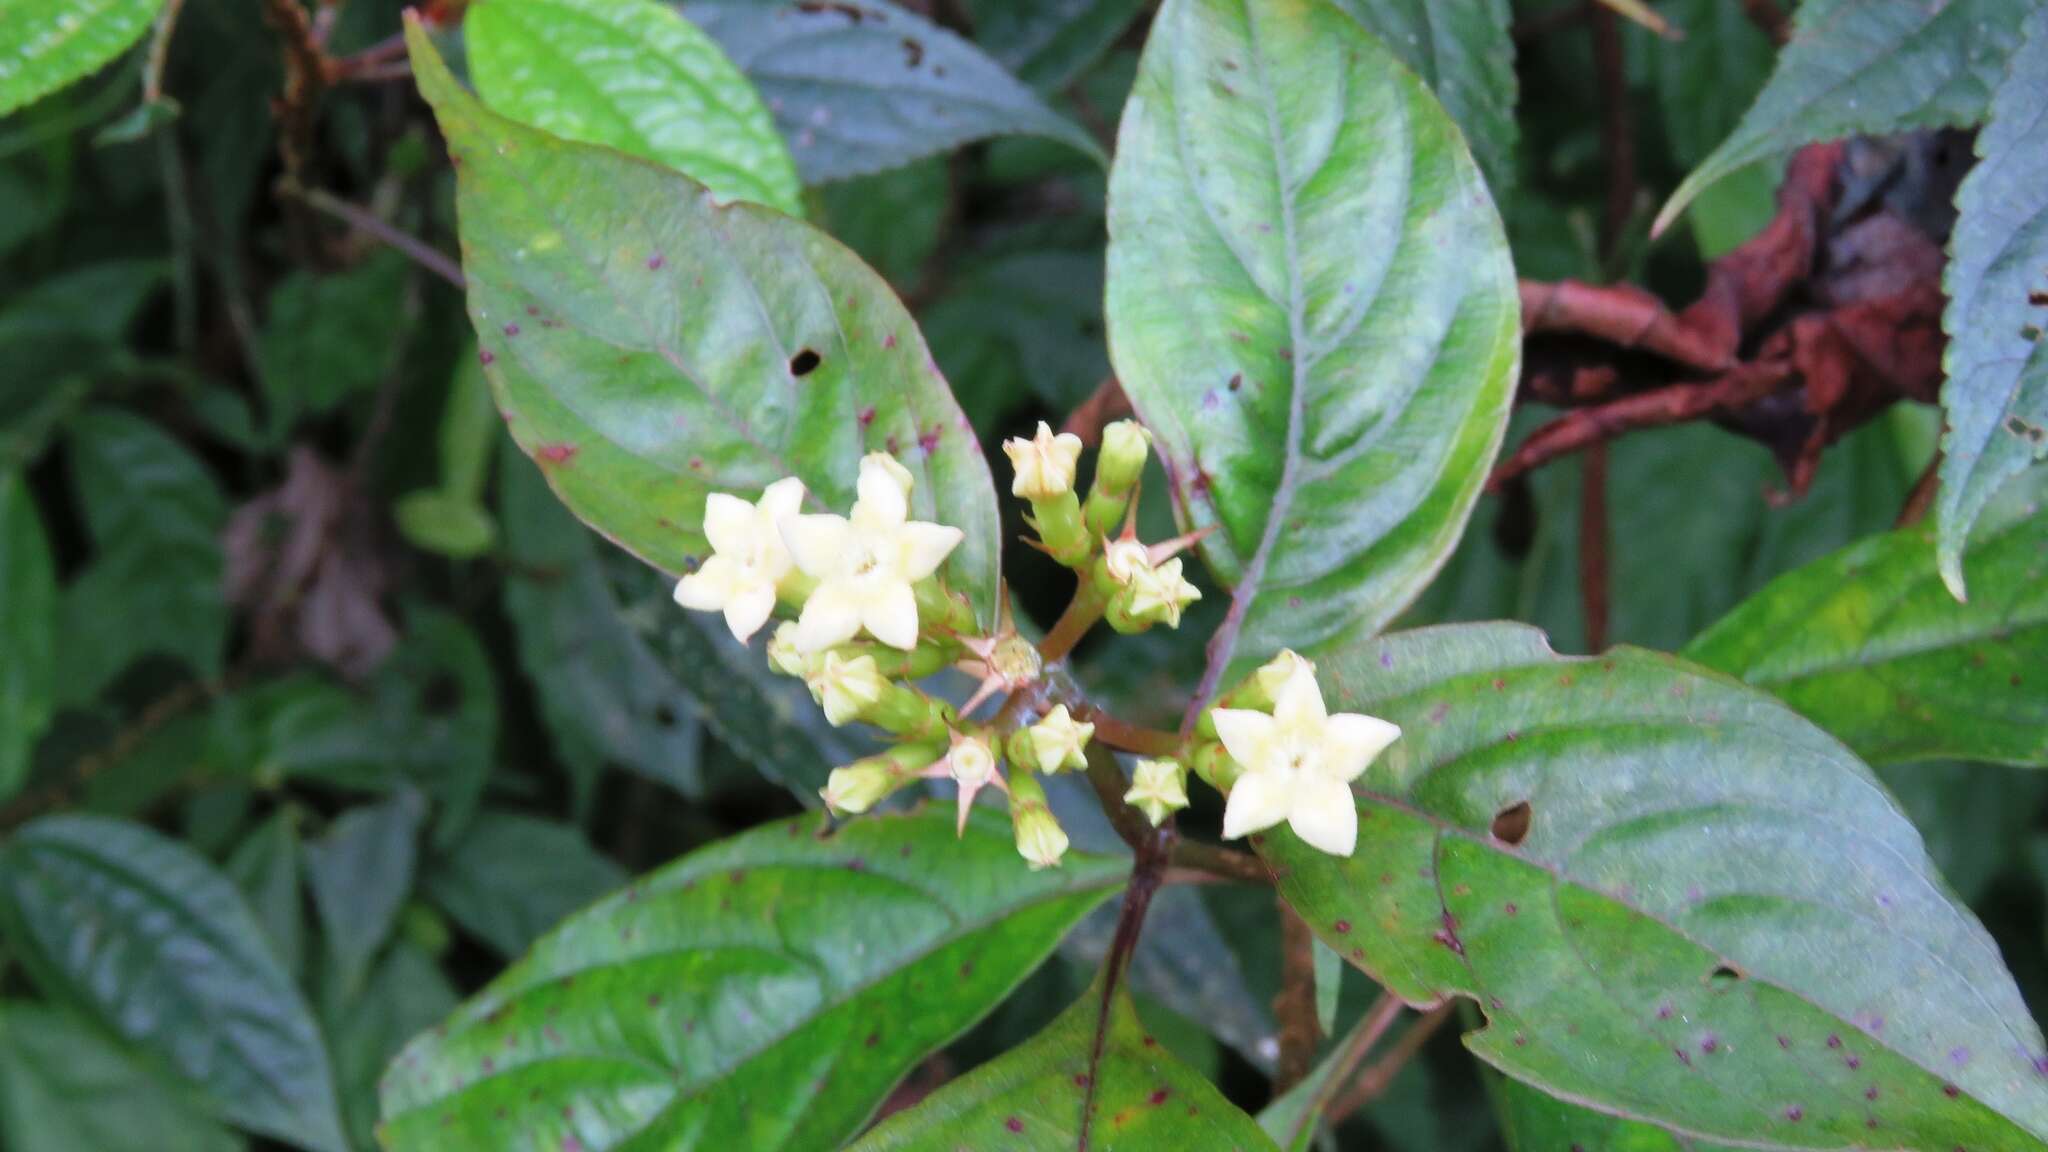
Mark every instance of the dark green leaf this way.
pixel 1869 645
pixel 1022 326
pixel 155 584
pixel 892 219
pixel 361 872
pixel 649 348
pixel 1996 397
pixel 330 337
pixel 1311 305
pixel 162 948
pixel 1869 66
pixel 405 995
pixel 265 866
pixel 1048 43
pixel 862 85
pixel 1093 1079
pixel 28 631
pixel 631 75
pixel 511 878
pixel 604 696
pixel 1714 919
pixel 437 719
pixel 762 993
pixel 48 44
pixel 1976 818
pixel 1706 80
pixel 65 1087
pixel 1533 1122
pixel 1463 52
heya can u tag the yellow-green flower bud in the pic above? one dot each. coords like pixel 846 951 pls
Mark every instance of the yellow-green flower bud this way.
pixel 847 687
pixel 1117 469
pixel 863 784
pixel 1159 788
pixel 1040 839
pixel 1058 741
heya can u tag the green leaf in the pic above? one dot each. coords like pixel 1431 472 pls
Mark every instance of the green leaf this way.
pixel 65 1087
pixel 28 631
pixel 1092 1079
pixel 761 993
pixel 406 994
pixel 162 949
pixel 1329 974
pixel 893 220
pixel 1023 326
pixel 654 346
pixel 1311 305
pixel 1464 53
pixel 1869 645
pixel 511 878
pixel 1049 43
pixel 1706 80
pixel 605 698
pixel 1976 818
pixel 631 75
pixel 361 872
pixel 768 720
pixel 862 85
pixel 1868 66
pixel 1533 1122
pixel 1996 397
pixel 265 866
pixel 1699 910
pixel 46 45
pixel 437 717
pixel 155 583
pixel 445 524
pixel 330 337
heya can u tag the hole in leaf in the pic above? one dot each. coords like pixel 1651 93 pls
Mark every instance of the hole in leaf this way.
pixel 665 715
pixel 1724 977
pixel 1511 824
pixel 804 363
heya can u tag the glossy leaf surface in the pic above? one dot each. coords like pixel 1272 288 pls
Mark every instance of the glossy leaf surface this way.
pixel 1869 66
pixel 762 993
pixel 1311 305
pixel 859 86
pixel 1093 1081
pixel 631 75
pixel 649 345
pixel 1464 53
pixel 161 947
pixel 1996 397
pixel 1869 645
pixel 48 44
pixel 1674 899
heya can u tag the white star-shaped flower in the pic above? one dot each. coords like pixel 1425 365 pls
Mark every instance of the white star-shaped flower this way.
pixel 1299 763
pixel 749 558
pixel 865 564
pixel 1058 741
pixel 1158 788
pixel 1044 464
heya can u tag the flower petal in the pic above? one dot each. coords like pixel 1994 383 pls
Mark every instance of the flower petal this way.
pixel 709 587
pixel 923 547
pixel 819 544
pixel 1324 815
pixel 1298 702
pixel 1246 735
pixel 830 616
pixel 783 498
pixel 881 501
pixel 890 616
pixel 1351 742
pixel 729 524
pixel 1257 801
pixel 748 609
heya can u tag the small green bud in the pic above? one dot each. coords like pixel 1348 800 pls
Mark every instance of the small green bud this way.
pixel 863 784
pixel 1117 469
pixel 1040 839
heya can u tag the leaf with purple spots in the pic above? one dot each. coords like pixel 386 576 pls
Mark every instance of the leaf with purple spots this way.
pixel 669 345
pixel 1705 915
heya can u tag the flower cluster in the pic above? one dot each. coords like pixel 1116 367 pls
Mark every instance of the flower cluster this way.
pixel 867 619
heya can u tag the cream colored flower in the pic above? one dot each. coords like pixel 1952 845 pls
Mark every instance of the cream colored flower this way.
pixel 846 687
pixel 1160 594
pixel 1158 788
pixel 972 765
pixel 1058 740
pixel 858 787
pixel 865 564
pixel 749 558
pixel 782 652
pixel 1044 464
pixel 1125 559
pixel 1299 763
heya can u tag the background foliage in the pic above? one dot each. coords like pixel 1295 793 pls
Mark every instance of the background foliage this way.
pixel 319 710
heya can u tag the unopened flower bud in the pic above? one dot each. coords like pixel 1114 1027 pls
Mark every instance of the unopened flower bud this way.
pixel 847 686
pixel 1124 559
pixel 1158 596
pixel 1058 741
pixel 1044 464
pixel 1117 469
pixel 1040 839
pixel 783 654
pixel 890 466
pixel 1158 789
pixel 863 784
